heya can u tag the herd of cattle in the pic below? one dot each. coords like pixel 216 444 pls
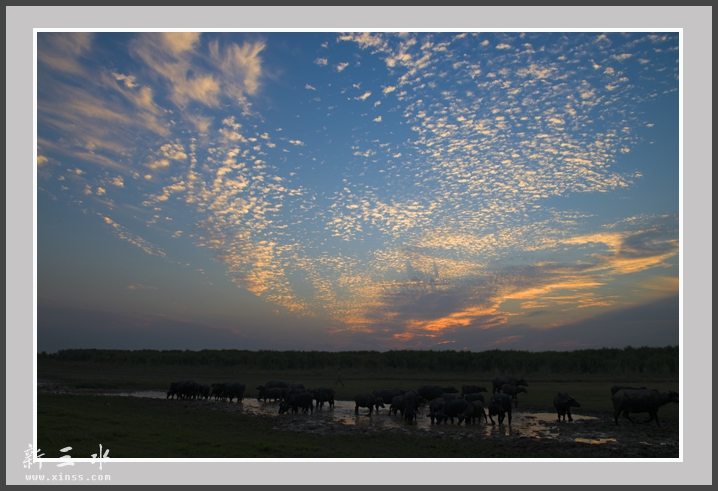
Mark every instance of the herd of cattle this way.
pixel 445 403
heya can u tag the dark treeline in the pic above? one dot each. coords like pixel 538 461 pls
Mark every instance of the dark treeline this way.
pixel 654 361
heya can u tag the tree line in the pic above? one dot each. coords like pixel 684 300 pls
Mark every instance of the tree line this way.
pixel 655 361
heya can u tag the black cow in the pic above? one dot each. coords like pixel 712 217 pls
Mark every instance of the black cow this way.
pixel 475 397
pixel 641 401
pixel 499 382
pixel 387 395
pixel 273 393
pixel 436 410
pixel 275 383
pixel 397 404
pixel 616 388
pixel 174 391
pixel 411 405
pixel 217 391
pixel 236 389
pixel 513 391
pixel 298 399
pixel 563 404
pixel 430 392
pixel 453 408
pixel 322 395
pixel 204 391
pixel 474 410
pixel 471 389
pixel 367 400
pixel 500 405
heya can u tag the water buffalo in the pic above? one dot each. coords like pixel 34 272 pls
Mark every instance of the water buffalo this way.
pixel 275 383
pixel 322 395
pixel 453 408
pixel 204 391
pixel 174 391
pixel 291 394
pixel 387 395
pixel 429 392
pixel 475 397
pixel 471 389
pixel 299 399
pixel 563 404
pixel 397 404
pixel 449 397
pixel 641 401
pixel 499 382
pixel 187 389
pixel 616 388
pixel 500 405
pixel 474 410
pixel 217 391
pixel 513 391
pixel 273 393
pixel 436 410
pixel 367 400
pixel 411 405
pixel 236 389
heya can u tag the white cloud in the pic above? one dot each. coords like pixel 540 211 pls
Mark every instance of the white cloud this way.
pixel 129 80
pixel 158 164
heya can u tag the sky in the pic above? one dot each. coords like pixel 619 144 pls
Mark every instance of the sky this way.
pixel 346 190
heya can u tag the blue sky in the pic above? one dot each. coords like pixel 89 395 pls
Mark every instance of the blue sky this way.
pixel 346 190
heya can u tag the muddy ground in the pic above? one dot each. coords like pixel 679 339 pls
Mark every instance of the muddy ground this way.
pixel 533 429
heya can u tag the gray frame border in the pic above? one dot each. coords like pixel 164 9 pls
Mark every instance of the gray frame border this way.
pixel 696 22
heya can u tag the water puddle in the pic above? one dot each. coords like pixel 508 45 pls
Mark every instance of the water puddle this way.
pixel 597 441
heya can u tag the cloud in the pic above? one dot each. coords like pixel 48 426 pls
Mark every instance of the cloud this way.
pixel 129 80
pixel 64 51
pixel 341 66
pixel 363 97
pixel 139 286
pixel 377 119
pixel 159 164
pixel 321 61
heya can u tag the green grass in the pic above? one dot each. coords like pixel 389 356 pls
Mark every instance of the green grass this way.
pixel 139 428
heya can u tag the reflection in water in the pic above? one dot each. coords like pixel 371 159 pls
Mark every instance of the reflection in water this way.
pixel 597 441
pixel 524 425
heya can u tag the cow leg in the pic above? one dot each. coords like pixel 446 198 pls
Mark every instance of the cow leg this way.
pixel 569 415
